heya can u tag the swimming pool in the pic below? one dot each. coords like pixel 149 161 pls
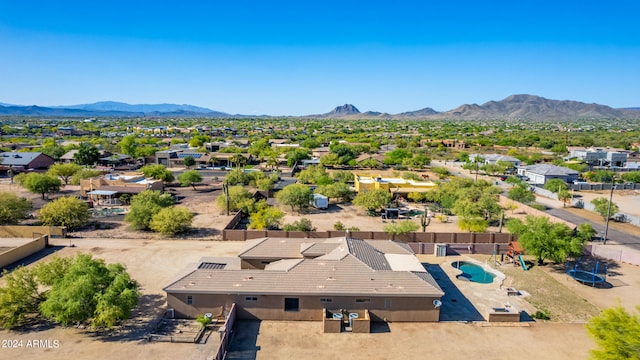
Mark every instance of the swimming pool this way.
pixel 473 272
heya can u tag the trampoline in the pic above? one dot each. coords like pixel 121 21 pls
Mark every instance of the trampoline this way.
pixel 592 277
pixel 586 277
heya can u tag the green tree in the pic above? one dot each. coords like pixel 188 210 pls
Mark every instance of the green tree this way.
pixel 129 146
pixel 600 176
pixel 313 175
pixel 417 162
pixel 401 227
pixel 91 290
pixel 239 199
pixel 64 170
pixel 19 297
pixel 189 178
pixel 336 190
pixel 171 220
pixel 300 225
pixel 144 206
pixel 295 195
pixel 441 171
pixel 473 224
pixel 87 154
pixel 237 177
pixel 13 208
pixel 631 176
pixel 556 185
pixel 266 217
pixel 84 174
pixel 601 206
pixel 617 334
pixel 564 196
pixel 239 160
pixel 188 161
pixel 372 200
pixel 585 232
pixel 296 155
pixel 65 211
pixel 544 239
pixel 41 183
pixel 397 156
pixel 521 194
pixel 157 172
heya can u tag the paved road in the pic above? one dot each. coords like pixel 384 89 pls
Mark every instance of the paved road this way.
pixel 615 237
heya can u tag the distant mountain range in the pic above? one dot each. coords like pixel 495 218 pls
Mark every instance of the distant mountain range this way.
pixel 514 107
pixel 112 109
pixel 139 108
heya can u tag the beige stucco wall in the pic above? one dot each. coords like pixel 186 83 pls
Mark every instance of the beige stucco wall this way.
pixel 271 307
pixel 22 231
pixel 21 251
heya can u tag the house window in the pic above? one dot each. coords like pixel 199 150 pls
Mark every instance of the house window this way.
pixel 251 298
pixel 326 300
pixel 387 303
pixel 291 304
pixel 189 300
pixel 363 300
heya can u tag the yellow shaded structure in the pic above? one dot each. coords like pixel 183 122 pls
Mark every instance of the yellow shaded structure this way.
pixel 394 185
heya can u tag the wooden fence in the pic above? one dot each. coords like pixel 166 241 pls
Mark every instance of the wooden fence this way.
pixel 225 334
pixel 424 237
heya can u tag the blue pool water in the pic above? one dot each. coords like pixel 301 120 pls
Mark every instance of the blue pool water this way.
pixel 473 272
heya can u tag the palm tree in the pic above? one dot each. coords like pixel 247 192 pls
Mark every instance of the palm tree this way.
pixel 239 160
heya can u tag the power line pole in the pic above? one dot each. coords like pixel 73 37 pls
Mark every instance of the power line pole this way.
pixel 606 226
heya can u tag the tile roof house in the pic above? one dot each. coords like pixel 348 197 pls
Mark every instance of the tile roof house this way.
pixel 494 158
pixel 21 161
pixel 298 278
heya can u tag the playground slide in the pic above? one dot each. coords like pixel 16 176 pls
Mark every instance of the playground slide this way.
pixel 524 266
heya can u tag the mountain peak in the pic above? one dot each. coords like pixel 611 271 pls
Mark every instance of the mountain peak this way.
pixel 346 109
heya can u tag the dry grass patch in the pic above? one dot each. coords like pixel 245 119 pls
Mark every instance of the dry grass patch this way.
pixel 550 296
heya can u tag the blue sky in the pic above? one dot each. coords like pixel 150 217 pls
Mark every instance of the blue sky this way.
pixel 306 57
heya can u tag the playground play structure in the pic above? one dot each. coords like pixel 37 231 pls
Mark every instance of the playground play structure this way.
pixel 597 275
pixel 515 254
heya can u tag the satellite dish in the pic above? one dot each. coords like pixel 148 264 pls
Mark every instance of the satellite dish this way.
pixel 437 303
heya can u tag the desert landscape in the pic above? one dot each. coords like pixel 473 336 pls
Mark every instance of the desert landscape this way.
pixel 155 261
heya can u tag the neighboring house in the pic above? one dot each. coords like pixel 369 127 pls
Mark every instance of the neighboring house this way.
pixel 599 156
pixel 23 161
pixel 376 158
pixel 175 158
pixel 488 159
pixel 69 156
pixel 310 162
pixel 320 151
pixel 298 278
pixel 105 189
pixel 115 160
pixel 393 185
pixel 541 173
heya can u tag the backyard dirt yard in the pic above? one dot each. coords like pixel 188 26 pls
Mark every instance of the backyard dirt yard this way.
pixel 155 263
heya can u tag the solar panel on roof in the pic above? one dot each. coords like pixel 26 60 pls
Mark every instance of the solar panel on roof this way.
pixel 211 266
pixel 195 156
